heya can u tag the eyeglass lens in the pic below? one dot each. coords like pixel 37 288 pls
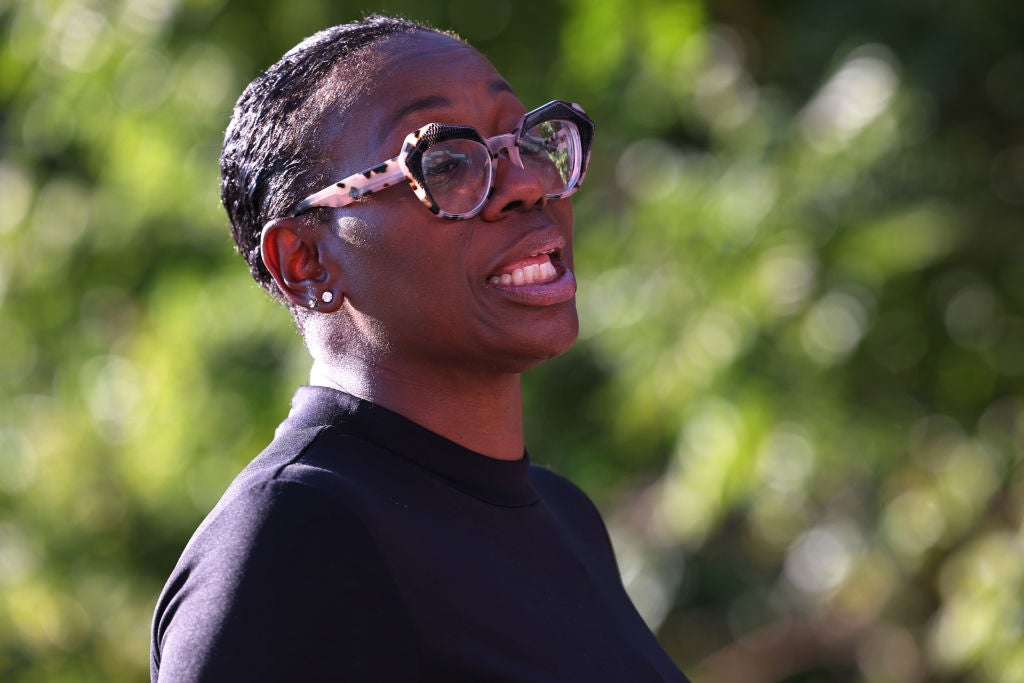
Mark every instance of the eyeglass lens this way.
pixel 548 150
pixel 457 171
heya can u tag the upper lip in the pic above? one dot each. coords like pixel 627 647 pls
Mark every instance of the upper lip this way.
pixel 545 239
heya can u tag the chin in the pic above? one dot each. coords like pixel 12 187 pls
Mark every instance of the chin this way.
pixel 531 352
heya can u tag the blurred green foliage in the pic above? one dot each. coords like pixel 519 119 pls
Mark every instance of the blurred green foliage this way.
pixel 798 390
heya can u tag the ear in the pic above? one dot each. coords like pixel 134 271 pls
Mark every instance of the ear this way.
pixel 291 251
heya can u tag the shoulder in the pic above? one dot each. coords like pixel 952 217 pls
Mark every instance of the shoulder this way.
pixel 557 491
pixel 574 511
pixel 311 477
pixel 284 563
pixel 265 516
pixel 296 500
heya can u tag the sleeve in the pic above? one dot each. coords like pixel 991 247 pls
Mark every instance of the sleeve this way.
pixel 283 585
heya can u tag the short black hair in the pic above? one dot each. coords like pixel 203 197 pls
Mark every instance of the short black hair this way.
pixel 265 162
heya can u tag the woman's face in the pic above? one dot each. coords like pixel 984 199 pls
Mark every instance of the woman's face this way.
pixel 429 291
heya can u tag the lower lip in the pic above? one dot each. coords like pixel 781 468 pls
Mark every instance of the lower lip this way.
pixel 562 288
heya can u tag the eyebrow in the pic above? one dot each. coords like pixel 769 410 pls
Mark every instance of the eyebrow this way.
pixel 420 103
pixel 499 85
pixel 495 87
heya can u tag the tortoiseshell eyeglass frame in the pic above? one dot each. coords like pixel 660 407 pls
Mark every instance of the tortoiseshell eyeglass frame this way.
pixel 408 162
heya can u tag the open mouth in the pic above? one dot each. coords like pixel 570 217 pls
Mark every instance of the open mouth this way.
pixel 538 268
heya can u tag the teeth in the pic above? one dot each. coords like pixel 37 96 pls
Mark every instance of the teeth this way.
pixel 532 274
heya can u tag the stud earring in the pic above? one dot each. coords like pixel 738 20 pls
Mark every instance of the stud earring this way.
pixel 311 300
pixel 327 297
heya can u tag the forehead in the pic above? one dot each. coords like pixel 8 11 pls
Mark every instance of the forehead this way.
pixel 408 67
pixel 409 80
pixel 424 52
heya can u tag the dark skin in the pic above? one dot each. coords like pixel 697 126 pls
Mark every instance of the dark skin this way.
pixel 414 324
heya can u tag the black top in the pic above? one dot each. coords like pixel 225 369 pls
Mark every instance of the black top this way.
pixel 361 547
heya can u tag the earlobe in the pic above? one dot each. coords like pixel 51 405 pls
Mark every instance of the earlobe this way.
pixel 291 252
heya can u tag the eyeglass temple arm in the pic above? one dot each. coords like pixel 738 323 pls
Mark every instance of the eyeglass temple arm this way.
pixel 348 190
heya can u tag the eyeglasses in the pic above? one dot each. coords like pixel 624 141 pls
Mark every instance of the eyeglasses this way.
pixel 451 167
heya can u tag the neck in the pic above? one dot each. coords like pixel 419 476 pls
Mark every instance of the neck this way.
pixel 482 414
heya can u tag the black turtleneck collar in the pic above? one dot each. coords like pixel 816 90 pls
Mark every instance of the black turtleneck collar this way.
pixel 499 482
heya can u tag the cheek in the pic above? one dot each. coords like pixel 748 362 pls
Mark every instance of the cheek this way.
pixel 362 260
pixel 563 208
pixel 561 211
pixel 406 266
pixel 356 234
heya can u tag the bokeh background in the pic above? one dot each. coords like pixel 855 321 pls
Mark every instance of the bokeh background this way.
pixel 797 396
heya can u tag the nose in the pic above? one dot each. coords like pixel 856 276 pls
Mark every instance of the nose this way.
pixel 515 189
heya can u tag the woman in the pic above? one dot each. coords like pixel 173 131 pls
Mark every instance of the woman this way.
pixel 394 529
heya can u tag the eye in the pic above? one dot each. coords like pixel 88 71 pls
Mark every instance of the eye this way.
pixel 442 165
